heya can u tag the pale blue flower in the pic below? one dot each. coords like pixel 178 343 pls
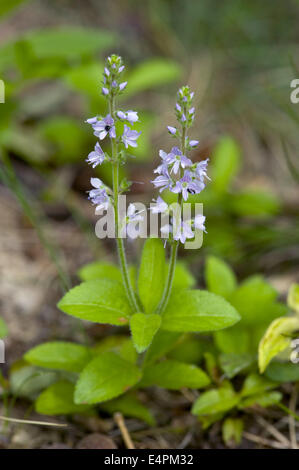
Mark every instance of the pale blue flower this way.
pixel 130 116
pixel 172 130
pixel 99 196
pixel 177 160
pixel 105 127
pixel 92 120
pixel 199 222
pixel 96 157
pixel 183 231
pixel 163 182
pixel 129 137
pixel 122 85
pixel 159 207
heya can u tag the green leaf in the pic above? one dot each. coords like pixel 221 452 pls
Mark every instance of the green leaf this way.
pixel 232 364
pixel 174 375
pixel 163 342
pixel 232 430
pixel 198 310
pixel 129 406
pixel 263 399
pixel 235 340
pixel 254 300
pixel 6 7
pixel 256 384
pixel 67 137
pixel 100 300
pixel 220 278
pixel 152 73
pixel 128 352
pixel 68 42
pixel 152 274
pixel 225 164
pixel 109 343
pixel 283 372
pixel 143 329
pixel 60 355
pixel 190 349
pixel 98 270
pixel 3 328
pixel 255 203
pixel 58 399
pixel 85 79
pixel 104 378
pixel 182 279
pixel 293 297
pixel 276 339
pixel 28 381
pixel 215 401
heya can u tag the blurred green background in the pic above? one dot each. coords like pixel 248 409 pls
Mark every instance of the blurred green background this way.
pixel 239 57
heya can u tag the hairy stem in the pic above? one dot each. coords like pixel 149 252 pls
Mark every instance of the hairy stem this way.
pixel 119 241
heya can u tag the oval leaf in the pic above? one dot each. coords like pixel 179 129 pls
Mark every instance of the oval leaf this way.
pixel 59 355
pixel 104 378
pixel 220 278
pixel 101 300
pixel 58 399
pixel 174 375
pixel 152 274
pixel 198 310
pixel 143 329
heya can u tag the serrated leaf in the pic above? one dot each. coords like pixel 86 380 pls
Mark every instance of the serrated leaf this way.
pixel 104 378
pixel 174 375
pixel 100 300
pixel 232 364
pixel 143 329
pixel 215 401
pixel 293 297
pixel 58 399
pixel 59 355
pixel 226 160
pixel 255 384
pixel 198 310
pixel 219 277
pixel 129 406
pixel 152 274
pixel 276 339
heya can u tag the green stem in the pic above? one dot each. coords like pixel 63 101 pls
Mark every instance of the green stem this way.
pixel 174 248
pixel 119 241
pixel 171 270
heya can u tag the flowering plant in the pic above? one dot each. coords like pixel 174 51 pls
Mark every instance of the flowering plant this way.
pixel 159 305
